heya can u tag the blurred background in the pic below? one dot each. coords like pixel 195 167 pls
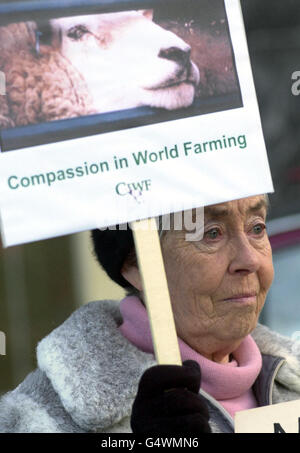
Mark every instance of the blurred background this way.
pixel 273 34
pixel 42 283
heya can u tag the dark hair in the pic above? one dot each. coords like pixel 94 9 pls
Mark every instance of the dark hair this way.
pixel 112 248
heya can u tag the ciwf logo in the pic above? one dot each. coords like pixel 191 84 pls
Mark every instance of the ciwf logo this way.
pixel 2 343
pixel 2 84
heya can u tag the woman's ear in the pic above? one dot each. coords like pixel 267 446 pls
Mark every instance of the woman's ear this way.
pixel 132 275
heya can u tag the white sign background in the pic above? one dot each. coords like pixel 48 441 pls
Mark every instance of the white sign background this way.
pixel 264 419
pixel 187 181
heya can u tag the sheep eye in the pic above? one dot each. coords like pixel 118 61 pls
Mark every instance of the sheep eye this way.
pixel 77 32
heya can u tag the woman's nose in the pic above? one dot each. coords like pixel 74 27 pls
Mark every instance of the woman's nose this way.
pixel 245 258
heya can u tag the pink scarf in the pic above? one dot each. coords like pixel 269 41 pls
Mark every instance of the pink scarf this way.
pixel 230 384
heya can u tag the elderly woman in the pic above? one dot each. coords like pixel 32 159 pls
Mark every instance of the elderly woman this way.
pixel 97 372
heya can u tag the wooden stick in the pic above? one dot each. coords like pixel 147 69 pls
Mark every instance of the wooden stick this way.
pixel 156 291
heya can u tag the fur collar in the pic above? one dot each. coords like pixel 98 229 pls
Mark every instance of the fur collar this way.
pixel 272 343
pixel 92 367
pixel 95 370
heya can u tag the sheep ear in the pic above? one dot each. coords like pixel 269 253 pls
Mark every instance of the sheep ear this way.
pixel 148 13
pixel 49 35
pixel 56 34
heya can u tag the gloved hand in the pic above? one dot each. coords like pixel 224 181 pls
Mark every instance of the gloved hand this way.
pixel 167 402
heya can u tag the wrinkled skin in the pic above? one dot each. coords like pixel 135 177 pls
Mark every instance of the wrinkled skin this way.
pixel 233 258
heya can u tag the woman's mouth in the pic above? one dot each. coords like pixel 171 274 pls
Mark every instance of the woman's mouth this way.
pixel 242 298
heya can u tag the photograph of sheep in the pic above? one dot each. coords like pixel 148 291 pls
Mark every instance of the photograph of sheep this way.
pixel 176 61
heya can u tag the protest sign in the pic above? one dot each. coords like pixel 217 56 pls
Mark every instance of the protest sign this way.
pixel 276 418
pixel 115 114
pixel 157 113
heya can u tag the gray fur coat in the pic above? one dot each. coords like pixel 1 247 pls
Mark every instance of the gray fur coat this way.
pixel 88 374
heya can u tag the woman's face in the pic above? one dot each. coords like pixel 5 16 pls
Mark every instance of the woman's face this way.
pixel 218 285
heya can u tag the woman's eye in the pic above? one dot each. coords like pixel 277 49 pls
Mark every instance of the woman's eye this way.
pixel 259 228
pixel 213 233
pixel 77 32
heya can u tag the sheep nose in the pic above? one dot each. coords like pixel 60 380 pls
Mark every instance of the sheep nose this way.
pixel 180 56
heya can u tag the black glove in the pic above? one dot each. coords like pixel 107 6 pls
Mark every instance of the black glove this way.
pixel 167 402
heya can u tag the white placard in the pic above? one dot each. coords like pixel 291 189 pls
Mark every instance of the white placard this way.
pixel 121 176
pixel 276 418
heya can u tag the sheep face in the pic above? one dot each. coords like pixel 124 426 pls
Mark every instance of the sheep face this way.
pixel 128 61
